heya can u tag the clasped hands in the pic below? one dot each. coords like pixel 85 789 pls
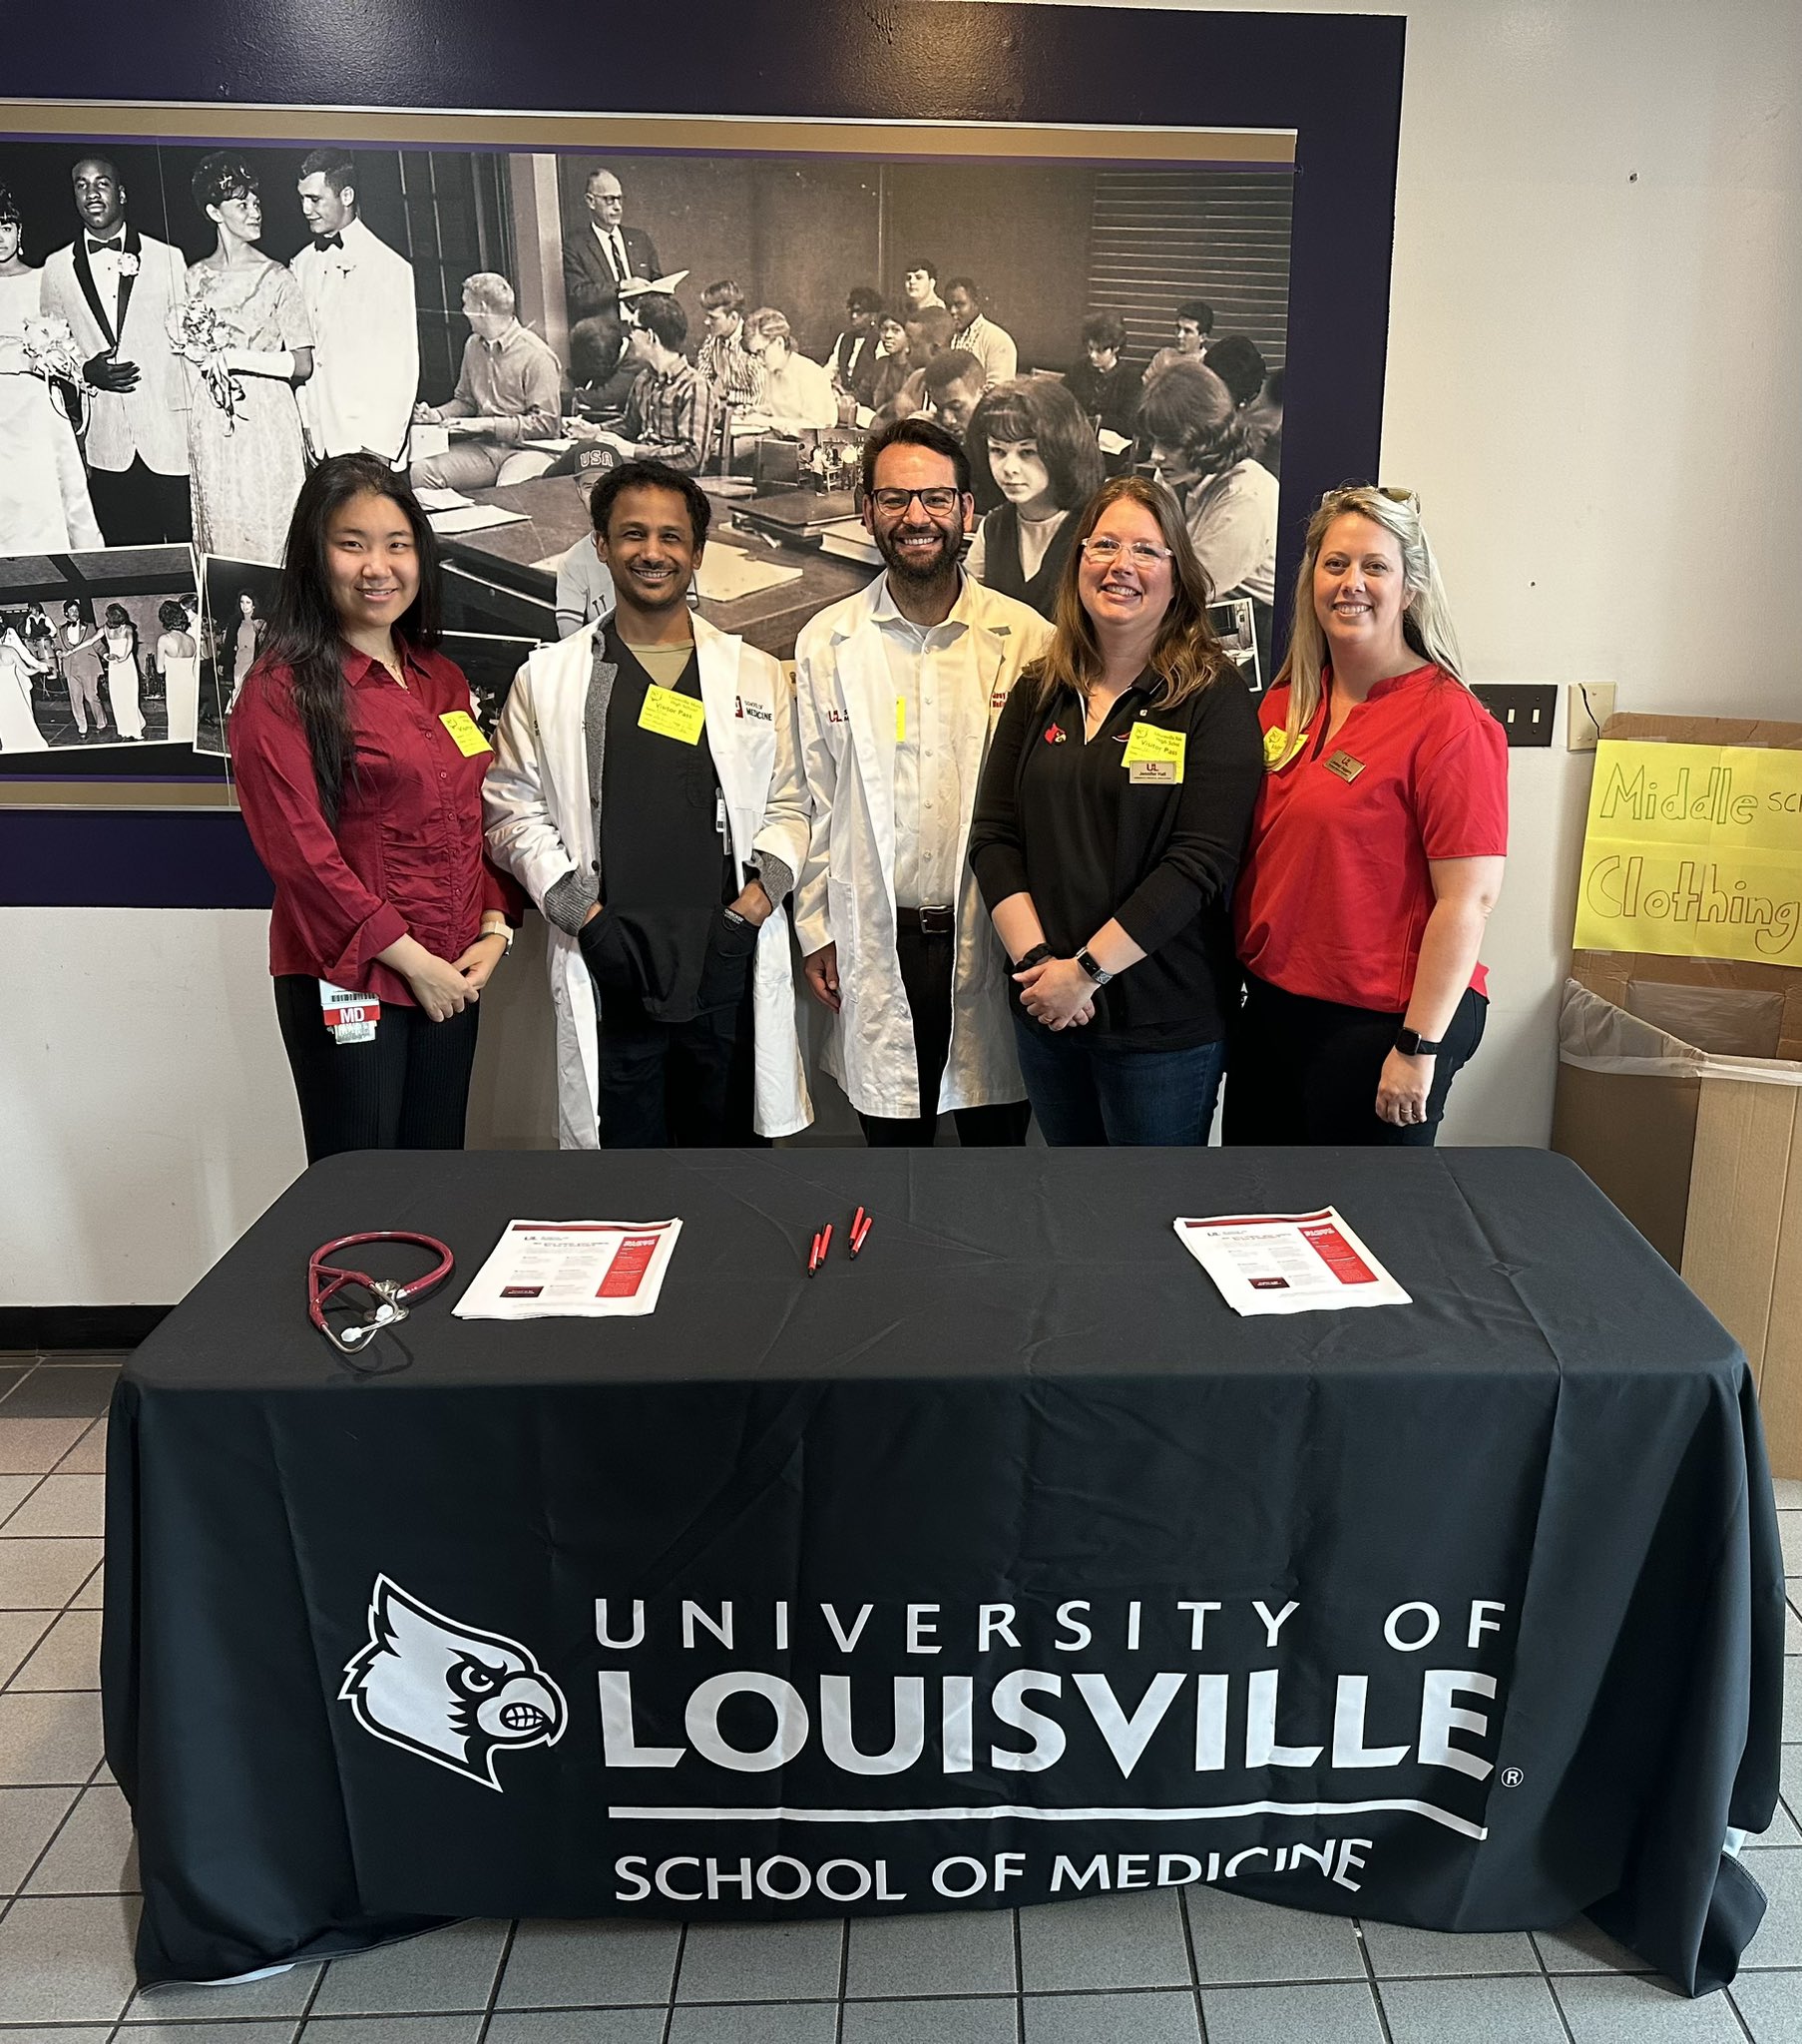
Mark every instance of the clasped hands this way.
pixel 1057 992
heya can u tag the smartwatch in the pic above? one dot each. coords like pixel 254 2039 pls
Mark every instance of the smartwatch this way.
pixel 1411 1044
pixel 1086 959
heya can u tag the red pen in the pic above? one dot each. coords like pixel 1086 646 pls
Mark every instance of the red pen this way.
pixel 857 1224
pixel 813 1255
pixel 826 1241
pixel 861 1235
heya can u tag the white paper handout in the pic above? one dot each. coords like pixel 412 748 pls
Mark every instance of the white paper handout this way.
pixel 473 518
pixel 1288 1262
pixel 571 1269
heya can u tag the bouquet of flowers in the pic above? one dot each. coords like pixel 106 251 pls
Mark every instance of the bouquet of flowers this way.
pixel 50 352
pixel 200 338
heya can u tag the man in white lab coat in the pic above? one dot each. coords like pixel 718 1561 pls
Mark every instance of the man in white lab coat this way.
pixel 360 299
pixel 645 793
pixel 898 690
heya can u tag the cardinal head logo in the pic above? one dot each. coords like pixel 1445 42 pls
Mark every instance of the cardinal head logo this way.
pixel 448 1692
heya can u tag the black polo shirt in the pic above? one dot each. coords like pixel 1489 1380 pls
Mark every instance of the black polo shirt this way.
pixel 1064 821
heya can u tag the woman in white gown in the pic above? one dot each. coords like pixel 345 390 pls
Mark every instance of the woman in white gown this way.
pixel 19 730
pixel 178 661
pixel 44 504
pixel 121 639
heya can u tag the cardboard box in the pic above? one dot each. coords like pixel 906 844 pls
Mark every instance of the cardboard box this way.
pixel 1679 1092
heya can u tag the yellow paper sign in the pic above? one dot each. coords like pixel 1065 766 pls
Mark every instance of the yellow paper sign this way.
pixel 900 720
pixel 1694 852
pixel 1151 742
pixel 673 715
pixel 467 732
pixel 1281 748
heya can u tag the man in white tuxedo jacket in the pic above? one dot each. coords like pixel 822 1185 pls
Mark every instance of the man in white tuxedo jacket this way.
pixel 359 297
pixel 117 287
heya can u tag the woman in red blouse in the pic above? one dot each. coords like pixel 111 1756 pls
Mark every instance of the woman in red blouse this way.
pixel 359 768
pixel 1376 849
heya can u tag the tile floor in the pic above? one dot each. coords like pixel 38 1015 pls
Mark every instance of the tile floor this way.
pixel 1195 1967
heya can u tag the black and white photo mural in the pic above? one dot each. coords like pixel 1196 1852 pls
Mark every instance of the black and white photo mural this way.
pixel 185 326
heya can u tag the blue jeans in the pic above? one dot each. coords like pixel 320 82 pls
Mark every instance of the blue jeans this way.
pixel 1082 1093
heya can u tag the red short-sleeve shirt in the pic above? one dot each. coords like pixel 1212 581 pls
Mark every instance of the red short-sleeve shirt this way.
pixel 406 858
pixel 1334 893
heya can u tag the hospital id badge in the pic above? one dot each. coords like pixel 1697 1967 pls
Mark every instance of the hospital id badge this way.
pixel 351 1018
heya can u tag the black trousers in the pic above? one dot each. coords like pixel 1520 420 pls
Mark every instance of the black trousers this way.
pixel 1305 1071
pixel 683 1085
pixel 137 507
pixel 926 967
pixel 408 1089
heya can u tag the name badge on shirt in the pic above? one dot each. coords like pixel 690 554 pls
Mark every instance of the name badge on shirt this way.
pixel 1153 757
pixel 673 715
pixel 351 1018
pixel 1343 765
pixel 467 732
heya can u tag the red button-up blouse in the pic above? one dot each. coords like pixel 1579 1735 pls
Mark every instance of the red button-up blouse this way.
pixel 405 858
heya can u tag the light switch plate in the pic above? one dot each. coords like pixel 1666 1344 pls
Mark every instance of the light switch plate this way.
pixel 1524 709
pixel 1587 707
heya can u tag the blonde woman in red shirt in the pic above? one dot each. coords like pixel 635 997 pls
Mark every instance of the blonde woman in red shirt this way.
pixel 359 768
pixel 1376 849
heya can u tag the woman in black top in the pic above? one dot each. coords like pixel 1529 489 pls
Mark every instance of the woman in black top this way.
pixel 1032 448
pixel 1112 812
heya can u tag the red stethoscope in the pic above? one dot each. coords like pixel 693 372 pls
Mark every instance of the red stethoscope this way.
pixel 390 1299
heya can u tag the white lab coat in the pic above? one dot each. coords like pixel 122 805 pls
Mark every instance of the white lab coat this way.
pixel 540 826
pixel 846 699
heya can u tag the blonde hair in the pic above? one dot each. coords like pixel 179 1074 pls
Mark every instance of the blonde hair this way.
pixel 1426 620
pixel 1186 658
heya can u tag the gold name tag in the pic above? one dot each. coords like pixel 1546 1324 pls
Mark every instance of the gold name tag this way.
pixel 1343 765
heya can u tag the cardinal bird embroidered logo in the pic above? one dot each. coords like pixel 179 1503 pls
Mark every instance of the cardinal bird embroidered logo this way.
pixel 445 1690
pixel 1055 734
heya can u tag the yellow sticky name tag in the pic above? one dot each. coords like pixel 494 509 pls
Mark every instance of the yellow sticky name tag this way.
pixel 673 715
pixel 467 732
pixel 1281 748
pixel 900 720
pixel 1149 744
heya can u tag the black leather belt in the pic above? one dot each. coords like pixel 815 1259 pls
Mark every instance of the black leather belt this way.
pixel 927 922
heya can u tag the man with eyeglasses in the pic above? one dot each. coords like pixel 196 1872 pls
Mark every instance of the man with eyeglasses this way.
pixel 898 691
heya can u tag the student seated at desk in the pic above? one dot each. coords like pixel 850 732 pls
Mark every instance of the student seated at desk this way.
pixel 798 393
pixel 670 412
pixel 510 390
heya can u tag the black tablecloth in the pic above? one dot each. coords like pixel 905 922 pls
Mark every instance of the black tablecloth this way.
pixel 1005 1564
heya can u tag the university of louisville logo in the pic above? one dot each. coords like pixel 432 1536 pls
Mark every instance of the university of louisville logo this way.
pixel 446 1692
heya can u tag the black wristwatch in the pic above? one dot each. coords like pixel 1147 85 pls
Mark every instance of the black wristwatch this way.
pixel 1035 956
pixel 1411 1044
pixel 1086 959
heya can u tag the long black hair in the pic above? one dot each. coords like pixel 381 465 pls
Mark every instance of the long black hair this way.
pixel 304 633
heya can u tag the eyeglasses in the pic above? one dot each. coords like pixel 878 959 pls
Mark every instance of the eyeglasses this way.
pixel 1140 551
pixel 894 502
